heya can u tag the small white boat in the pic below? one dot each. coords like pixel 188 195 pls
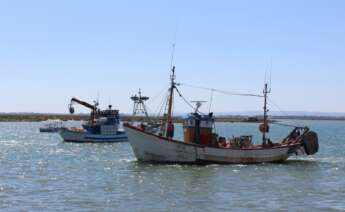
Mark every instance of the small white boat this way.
pixel 103 126
pixel 202 146
pixel 52 126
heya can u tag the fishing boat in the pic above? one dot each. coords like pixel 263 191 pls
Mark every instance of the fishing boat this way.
pixel 52 126
pixel 201 145
pixel 102 127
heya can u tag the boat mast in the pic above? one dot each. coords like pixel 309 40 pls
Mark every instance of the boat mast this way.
pixel 265 124
pixel 171 97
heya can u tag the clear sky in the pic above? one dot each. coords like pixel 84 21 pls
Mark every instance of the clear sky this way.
pixel 53 50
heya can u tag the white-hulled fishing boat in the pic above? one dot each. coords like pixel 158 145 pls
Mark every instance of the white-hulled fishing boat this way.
pixel 202 145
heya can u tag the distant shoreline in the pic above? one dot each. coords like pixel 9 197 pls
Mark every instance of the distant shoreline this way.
pixel 84 117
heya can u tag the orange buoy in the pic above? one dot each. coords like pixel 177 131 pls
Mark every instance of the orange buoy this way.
pixel 264 128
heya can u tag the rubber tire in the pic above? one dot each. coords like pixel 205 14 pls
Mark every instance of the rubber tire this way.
pixel 311 143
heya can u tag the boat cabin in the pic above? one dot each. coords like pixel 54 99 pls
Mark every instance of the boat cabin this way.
pixel 198 128
pixel 107 122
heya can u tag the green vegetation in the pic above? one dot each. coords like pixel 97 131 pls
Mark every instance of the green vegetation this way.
pixel 84 117
pixel 177 119
pixel 39 117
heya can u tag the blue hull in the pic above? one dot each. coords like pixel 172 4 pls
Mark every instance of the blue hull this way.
pixel 84 137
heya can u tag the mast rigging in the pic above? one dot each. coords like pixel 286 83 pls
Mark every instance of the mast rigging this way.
pixel 139 105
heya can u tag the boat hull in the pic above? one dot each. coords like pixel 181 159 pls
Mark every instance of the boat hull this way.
pixel 152 148
pixel 83 137
pixel 49 130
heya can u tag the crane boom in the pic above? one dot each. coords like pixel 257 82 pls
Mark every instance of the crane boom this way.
pixel 85 104
pixel 93 108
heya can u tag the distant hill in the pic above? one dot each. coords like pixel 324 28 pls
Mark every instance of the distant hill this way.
pixel 249 116
pixel 285 113
pixel 241 113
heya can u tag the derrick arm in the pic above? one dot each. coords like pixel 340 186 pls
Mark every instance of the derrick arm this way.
pixel 85 104
pixel 93 108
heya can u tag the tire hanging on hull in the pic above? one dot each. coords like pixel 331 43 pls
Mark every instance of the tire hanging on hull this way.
pixel 310 142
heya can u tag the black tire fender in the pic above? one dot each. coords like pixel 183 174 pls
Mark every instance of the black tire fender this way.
pixel 310 142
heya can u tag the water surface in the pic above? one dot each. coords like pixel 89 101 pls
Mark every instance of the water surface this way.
pixel 40 172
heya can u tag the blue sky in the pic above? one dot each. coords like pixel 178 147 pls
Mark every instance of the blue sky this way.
pixel 53 50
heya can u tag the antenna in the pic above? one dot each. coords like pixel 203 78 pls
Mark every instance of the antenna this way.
pixel 269 69
pixel 110 100
pixel 98 96
pixel 173 48
pixel 172 56
pixel 265 79
pixel 271 75
pixel 198 104
pixel 211 100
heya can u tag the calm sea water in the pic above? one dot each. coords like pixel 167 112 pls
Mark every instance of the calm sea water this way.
pixel 40 172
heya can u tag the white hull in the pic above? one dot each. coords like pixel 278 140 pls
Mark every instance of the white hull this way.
pixel 149 147
pixel 83 137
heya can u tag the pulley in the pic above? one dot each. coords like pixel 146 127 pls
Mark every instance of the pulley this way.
pixel 71 109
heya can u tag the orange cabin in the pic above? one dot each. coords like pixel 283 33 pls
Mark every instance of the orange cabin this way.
pixel 198 128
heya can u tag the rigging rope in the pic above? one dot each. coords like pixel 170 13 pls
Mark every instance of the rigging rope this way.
pixel 186 101
pixel 286 125
pixel 163 105
pixel 281 111
pixel 159 94
pixel 160 108
pixel 220 91
pixel 211 100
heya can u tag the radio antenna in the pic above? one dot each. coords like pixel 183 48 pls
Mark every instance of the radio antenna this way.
pixel 271 67
pixel 98 96
pixel 268 79
pixel 211 100
pixel 173 48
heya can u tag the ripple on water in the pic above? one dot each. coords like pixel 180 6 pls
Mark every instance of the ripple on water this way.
pixel 38 171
